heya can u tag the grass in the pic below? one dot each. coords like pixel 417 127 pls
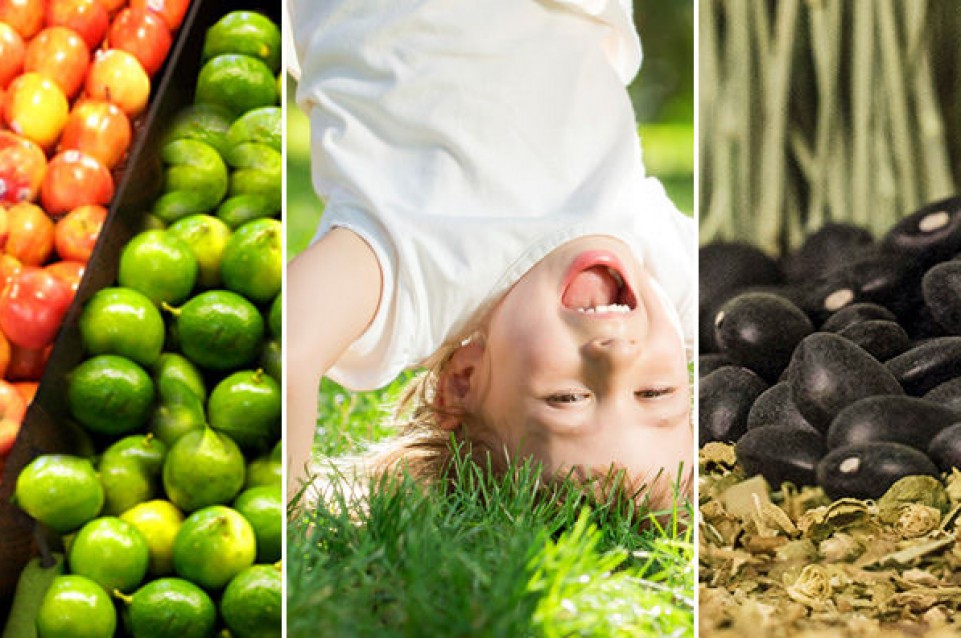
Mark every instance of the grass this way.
pixel 485 558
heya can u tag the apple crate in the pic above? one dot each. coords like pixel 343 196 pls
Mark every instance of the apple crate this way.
pixel 47 426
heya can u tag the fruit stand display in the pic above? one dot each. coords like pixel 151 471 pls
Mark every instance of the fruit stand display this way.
pixel 145 481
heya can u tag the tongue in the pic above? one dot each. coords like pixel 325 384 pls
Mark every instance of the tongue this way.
pixel 590 288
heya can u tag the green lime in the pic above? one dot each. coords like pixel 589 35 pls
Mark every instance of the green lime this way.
pixel 195 179
pixel 264 470
pixel 206 236
pixel 172 366
pixel 263 126
pixel 263 507
pixel 252 603
pixel 124 485
pixel 111 552
pixel 245 32
pixel 130 472
pixel 206 123
pixel 160 265
pixel 62 492
pixel 253 260
pixel 158 521
pixel 246 407
pixel 220 330
pixel 236 82
pixel 203 468
pixel 145 450
pixel 76 607
pixel 122 321
pixel 275 320
pixel 271 360
pixel 175 417
pixel 214 545
pixel 171 608
pixel 109 394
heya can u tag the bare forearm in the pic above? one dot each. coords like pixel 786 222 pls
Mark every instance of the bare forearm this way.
pixel 333 290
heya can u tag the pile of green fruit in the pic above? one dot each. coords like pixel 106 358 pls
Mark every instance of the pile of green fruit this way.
pixel 177 522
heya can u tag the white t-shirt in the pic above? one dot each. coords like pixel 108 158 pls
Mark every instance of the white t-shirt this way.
pixel 466 140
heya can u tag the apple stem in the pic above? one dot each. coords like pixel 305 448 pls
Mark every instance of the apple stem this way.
pixel 166 307
pixel 119 595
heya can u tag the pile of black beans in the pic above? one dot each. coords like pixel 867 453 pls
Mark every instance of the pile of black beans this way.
pixel 840 365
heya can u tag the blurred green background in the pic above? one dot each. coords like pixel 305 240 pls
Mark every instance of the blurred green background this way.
pixel 662 94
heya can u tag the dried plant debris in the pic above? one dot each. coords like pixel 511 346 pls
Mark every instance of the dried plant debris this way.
pixel 791 562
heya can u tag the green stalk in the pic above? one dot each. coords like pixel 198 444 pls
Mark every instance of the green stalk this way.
pixel 825 36
pixel 739 82
pixel 770 221
pixel 902 148
pixel 862 78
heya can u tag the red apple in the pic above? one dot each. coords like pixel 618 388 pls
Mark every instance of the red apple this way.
pixel 10 266
pixel 89 18
pixel 32 307
pixel 12 409
pixel 36 108
pixel 75 235
pixel 11 54
pixel 27 389
pixel 172 11
pixel 27 364
pixel 69 272
pixel 4 232
pixel 113 6
pixel 4 355
pixel 26 16
pixel 60 54
pixel 31 234
pixel 99 129
pixel 118 77
pixel 74 179
pixel 22 167
pixel 142 33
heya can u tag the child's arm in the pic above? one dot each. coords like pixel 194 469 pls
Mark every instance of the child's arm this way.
pixel 333 290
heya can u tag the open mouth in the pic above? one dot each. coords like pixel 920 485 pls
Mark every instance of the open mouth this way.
pixel 595 284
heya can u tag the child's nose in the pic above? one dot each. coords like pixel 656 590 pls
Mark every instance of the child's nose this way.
pixel 615 351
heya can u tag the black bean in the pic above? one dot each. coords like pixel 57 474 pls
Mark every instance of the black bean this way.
pixel 900 419
pixel 947 394
pixel 945 448
pixel 781 454
pixel 941 286
pixel 829 373
pixel 882 339
pixel 775 407
pixel 725 269
pixel 868 470
pixel 856 313
pixel 708 363
pixel 760 331
pixel 724 399
pixel 927 365
pixel 928 235
pixel 886 281
pixel 832 246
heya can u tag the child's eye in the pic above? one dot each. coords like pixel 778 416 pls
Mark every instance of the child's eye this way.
pixel 653 393
pixel 568 397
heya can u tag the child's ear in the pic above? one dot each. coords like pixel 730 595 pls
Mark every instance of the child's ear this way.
pixel 454 385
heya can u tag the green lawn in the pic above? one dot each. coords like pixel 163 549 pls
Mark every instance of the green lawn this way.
pixel 485 557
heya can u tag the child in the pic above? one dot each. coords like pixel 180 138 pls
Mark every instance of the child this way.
pixel 488 217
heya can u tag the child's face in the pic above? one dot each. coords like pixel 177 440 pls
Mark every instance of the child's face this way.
pixel 588 388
